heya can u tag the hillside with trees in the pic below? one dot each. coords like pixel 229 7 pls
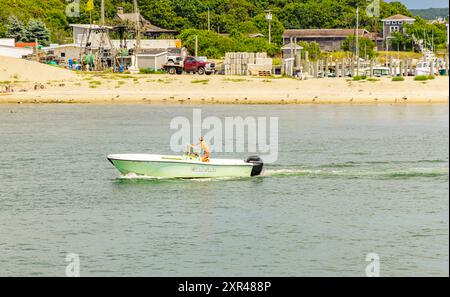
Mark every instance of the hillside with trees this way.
pixel 227 16
pixel 431 13
pixel 230 20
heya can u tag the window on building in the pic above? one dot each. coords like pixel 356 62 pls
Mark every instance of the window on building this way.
pixel 394 29
pixel 63 55
pixel 388 22
pixel 394 23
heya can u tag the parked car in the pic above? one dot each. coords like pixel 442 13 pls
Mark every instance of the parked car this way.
pixel 190 65
pixel 175 55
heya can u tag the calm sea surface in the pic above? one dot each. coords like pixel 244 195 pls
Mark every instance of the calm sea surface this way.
pixel 350 180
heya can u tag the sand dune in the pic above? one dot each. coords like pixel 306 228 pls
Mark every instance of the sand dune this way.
pixel 12 69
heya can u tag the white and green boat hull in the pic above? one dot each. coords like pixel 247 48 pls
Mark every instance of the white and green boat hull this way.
pixel 176 167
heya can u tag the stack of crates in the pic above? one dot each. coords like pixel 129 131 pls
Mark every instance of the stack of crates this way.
pixel 237 63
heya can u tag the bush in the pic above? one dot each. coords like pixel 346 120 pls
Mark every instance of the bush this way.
pixel 359 77
pixel 431 77
pixel 398 78
pixel 421 78
pixel 150 71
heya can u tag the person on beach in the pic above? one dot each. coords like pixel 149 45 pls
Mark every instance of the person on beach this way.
pixel 205 148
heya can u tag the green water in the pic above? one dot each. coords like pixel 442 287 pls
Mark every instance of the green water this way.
pixel 350 180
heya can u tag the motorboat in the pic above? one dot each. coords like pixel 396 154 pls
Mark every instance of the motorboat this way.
pixel 425 68
pixel 189 165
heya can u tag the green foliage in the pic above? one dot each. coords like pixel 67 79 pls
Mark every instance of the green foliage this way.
pixel 398 78
pixel 150 71
pixel 421 77
pixel 359 77
pixel 430 13
pixel 16 29
pixel 226 16
pixel 51 12
pixel 421 29
pixel 313 49
pixel 37 30
pixel 214 45
pixel 366 46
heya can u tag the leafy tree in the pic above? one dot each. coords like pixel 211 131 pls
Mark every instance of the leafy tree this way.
pixel 16 29
pixel 431 33
pixel 215 45
pixel 277 27
pixel 313 50
pixel 402 41
pixel 226 16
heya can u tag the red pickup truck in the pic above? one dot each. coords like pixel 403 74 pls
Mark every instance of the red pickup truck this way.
pixel 190 64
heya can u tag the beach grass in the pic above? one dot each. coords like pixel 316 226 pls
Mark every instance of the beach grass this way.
pixel 359 77
pixel 398 78
pixel 151 71
pixel 235 79
pixel 200 81
pixel 95 82
pixel 422 77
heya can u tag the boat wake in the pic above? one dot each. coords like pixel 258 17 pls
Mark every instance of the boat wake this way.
pixel 435 169
pixel 356 172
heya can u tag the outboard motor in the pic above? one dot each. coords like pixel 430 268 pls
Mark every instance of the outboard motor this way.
pixel 257 165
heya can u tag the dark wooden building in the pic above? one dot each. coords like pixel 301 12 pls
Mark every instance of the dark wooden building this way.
pixel 328 39
pixel 395 24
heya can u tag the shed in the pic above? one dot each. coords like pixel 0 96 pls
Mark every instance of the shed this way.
pixel 291 49
pixel 152 59
pixel 64 52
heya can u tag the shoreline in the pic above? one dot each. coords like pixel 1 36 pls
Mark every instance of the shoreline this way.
pixel 29 82
pixel 204 90
pixel 200 103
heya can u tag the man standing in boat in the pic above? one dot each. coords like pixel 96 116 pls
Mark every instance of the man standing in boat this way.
pixel 205 148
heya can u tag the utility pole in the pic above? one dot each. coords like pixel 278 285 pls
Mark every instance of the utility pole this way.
pixel 357 42
pixel 196 46
pixel 209 19
pixel 269 17
pixel 138 33
pixel 102 12
pixel 138 26
pixel 37 49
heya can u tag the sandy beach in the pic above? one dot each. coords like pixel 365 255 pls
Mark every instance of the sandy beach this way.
pixel 30 82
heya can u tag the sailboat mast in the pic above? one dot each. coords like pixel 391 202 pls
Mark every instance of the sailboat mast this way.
pixel 357 41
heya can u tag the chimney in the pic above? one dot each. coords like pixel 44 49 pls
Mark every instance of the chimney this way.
pixel 119 10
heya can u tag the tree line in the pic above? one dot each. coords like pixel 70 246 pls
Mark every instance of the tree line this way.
pixel 229 21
